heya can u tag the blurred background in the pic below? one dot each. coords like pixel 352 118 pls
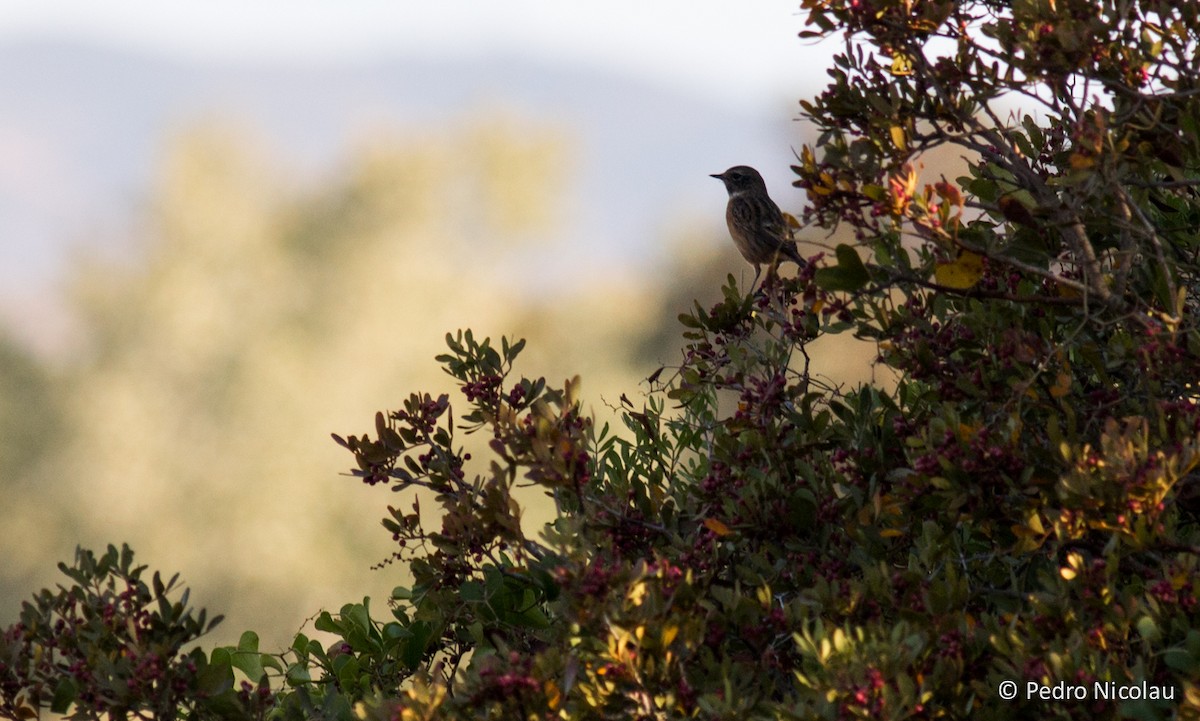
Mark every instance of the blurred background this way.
pixel 228 229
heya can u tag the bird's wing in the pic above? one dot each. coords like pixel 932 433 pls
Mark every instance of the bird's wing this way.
pixel 775 227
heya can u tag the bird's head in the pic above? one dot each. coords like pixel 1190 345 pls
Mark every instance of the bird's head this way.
pixel 741 178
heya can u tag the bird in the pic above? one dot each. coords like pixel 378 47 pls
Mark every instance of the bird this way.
pixel 755 222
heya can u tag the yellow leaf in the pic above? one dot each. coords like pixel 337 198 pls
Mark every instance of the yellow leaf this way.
pixel 1079 161
pixel 891 533
pixel 1067 291
pixel 637 593
pixel 898 138
pixel 668 635
pixel 1027 538
pixel 717 527
pixel 1035 524
pixel 791 222
pixel 901 64
pixel 807 157
pixel 553 697
pixel 961 273
pixel 1062 385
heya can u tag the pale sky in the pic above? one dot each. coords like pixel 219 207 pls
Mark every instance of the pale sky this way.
pixel 732 50
pixel 742 55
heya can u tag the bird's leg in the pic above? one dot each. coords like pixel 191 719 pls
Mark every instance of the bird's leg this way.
pixel 772 271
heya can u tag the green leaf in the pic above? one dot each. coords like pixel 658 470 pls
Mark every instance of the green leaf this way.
pixel 248 641
pixel 1148 629
pixel 216 676
pixel 249 663
pixel 326 623
pixel 1192 643
pixel 298 675
pixel 414 650
pixel 347 669
pixel 1034 132
pixel 471 591
pixel 876 193
pixel 1180 660
pixel 850 274
pixel 514 350
pixel 1024 145
pixel 535 617
pixel 64 695
pixel 300 644
pixel 545 582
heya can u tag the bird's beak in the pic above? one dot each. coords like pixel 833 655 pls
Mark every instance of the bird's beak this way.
pixel 718 176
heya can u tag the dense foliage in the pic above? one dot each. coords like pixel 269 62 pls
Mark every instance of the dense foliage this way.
pixel 1021 505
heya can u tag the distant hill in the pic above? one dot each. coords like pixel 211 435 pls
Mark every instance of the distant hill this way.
pixel 81 126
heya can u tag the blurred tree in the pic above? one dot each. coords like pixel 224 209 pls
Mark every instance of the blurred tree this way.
pixel 31 427
pixel 28 411
pixel 265 313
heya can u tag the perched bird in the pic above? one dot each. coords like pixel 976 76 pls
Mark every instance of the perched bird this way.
pixel 755 222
